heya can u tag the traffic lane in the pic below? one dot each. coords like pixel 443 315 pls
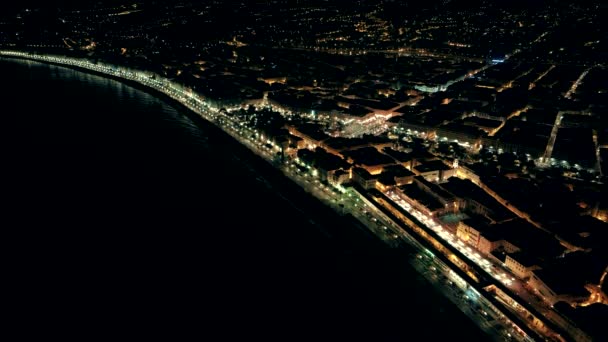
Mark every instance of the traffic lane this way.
pixel 460 295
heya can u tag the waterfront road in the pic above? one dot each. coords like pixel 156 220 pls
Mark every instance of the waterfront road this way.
pixel 473 304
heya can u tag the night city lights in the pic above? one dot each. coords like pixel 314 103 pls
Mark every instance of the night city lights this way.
pixel 381 170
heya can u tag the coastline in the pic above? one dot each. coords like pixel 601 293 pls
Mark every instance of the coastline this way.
pixel 287 185
pixel 253 159
pixel 245 154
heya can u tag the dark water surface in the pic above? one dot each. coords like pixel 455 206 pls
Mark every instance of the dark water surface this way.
pixel 133 215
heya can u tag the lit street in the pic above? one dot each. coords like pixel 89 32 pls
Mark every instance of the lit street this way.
pixel 470 302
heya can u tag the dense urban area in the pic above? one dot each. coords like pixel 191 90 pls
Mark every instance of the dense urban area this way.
pixel 473 133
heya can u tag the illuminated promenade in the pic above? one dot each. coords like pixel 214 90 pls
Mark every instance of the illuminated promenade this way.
pixel 392 230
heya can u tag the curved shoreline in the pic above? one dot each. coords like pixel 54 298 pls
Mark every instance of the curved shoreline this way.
pixel 131 83
pixel 251 158
pixel 260 161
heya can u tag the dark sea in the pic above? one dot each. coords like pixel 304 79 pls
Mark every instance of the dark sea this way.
pixel 133 220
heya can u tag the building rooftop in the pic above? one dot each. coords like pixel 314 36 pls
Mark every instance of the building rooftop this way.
pixel 500 255
pixel 523 133
pixel 397 171
pixel 387 179
pixel 575 145
pixel 464 188
pixel 341 143
pixel 483 226
pixel 340 172
pixel 363 173
pixel 435 188
pixel 592 318
pixel 562 282
pixel 583 231
pixel 532 240
pixel 368 156
pixel 524 259
pixel 401 157
pixel 432 165
pixel 481 122
pixel 413 191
